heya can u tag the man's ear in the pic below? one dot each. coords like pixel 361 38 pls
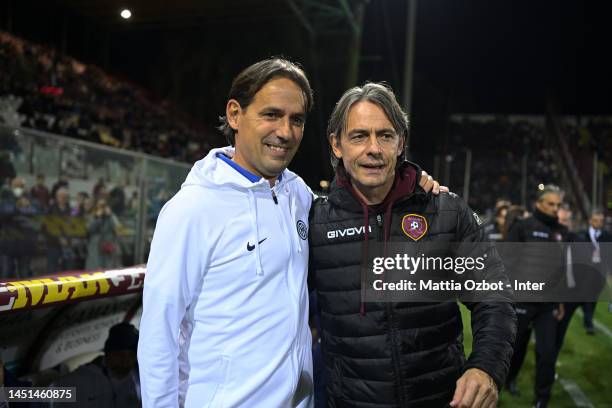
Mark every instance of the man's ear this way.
pixel 334 142
pixel 233 110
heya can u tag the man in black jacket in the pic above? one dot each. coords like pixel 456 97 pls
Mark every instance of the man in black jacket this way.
pixel 396 354
pixel 542 258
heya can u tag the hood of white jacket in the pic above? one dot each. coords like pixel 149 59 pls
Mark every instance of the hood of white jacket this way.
pixel 213 172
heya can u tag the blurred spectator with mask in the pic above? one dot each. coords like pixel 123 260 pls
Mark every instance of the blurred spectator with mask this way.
pixel 10 194
pixel 40 194
pixel 103 250
pixel 111 380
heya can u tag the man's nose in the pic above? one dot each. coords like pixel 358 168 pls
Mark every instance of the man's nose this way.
pixel 284 129
pixel 373 145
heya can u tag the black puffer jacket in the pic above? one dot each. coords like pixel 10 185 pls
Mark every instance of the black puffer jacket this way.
pixel 543 257
pixel 398 354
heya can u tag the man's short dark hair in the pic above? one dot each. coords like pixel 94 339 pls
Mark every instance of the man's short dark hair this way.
pixel 252 79
pixel 377 93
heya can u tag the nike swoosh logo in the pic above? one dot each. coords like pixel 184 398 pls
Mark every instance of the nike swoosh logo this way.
pixel 252 247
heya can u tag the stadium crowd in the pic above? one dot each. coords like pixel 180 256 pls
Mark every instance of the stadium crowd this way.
pixel 44 90
pixel 498 145
pixel 74 231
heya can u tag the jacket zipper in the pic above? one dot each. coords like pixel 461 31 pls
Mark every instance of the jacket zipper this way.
pixel 395 356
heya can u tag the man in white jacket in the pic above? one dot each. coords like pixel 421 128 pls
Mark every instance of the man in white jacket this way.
pixel 225 306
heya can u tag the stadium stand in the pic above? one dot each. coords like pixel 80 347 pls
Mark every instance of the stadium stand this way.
pixel 499 144
pixel 41 89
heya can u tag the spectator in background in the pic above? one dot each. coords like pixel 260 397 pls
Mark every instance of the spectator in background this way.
pixel 7 170
pixel 9 195
pixel 514 213
pixel 40 194
pixel 80 209
pixel 565 216
pixel 24 206
pixel 116 199
pixel 61 203
pixel 133 204
pixel 61 183
pixel 99 190
pixel 109 381
pixel 493 230
pixel 60 255
pixel 103 249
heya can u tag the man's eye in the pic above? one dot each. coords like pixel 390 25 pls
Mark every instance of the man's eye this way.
pixel 298 121
pixel 270 115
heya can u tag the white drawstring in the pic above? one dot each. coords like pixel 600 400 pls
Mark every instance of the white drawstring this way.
pixel 255 227
pixel 293 215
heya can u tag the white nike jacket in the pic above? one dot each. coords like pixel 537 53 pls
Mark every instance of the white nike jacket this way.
pixel 225 307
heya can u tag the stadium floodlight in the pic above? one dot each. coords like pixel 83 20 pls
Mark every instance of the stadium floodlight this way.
pixel 125 13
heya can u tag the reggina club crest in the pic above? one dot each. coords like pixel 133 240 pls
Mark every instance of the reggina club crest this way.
pixel 415 226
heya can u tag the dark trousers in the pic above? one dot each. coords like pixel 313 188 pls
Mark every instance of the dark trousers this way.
pixel 538 316
pixel 589 310
pixel 570 307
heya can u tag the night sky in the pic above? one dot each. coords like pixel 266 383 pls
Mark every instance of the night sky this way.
pixel 510 56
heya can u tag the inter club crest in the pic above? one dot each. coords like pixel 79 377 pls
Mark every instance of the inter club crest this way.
pixel 414 225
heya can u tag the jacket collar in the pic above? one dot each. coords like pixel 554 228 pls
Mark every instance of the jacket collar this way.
pixel 546 219
pixel 404 187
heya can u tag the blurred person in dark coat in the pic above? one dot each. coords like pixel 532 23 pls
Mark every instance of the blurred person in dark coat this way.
pixel 41 196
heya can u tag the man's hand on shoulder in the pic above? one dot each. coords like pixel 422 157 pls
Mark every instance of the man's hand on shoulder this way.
pixel 475 389
pixel 428 184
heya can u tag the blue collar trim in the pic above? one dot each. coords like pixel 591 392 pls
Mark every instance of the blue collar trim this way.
pixel 253 178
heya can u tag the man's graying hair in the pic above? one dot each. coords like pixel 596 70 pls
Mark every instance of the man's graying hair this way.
pixel 377 93
pixel 253 78
pixel 550 189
